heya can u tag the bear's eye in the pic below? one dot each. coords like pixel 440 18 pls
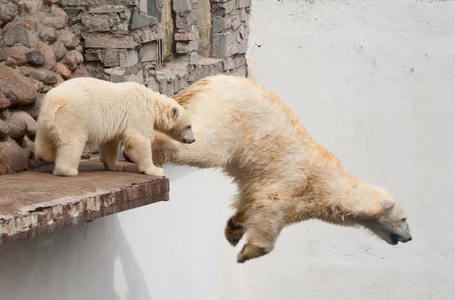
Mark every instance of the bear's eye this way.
pixel 403 220
pixel 188 127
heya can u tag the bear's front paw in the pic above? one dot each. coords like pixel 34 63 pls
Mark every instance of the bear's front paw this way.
pixel 65 172
pixel 155 171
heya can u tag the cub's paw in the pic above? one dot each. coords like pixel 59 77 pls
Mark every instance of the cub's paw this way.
pixel 116 167
pixel 155 171
pixel 65 172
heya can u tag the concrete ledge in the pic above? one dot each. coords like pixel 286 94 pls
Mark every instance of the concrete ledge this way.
pixel 37 202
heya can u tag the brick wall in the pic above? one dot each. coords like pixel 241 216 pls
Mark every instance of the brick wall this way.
pixel 165 45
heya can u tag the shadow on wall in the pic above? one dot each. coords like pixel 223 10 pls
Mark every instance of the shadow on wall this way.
pixel 78 262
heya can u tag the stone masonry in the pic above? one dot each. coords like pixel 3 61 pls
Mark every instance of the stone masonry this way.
pixel 152 42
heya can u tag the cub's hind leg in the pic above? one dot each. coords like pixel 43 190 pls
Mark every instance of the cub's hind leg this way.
pixel 45 150
pixel 109 153
pixel 68 157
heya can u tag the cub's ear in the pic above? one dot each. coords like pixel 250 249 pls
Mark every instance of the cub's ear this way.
pixel 175 112
pixel 387 203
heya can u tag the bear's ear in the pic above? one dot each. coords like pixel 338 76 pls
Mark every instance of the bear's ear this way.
pixel 175 112
pixel 387 203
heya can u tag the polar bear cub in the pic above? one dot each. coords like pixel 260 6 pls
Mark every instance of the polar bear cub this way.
pixel 91 111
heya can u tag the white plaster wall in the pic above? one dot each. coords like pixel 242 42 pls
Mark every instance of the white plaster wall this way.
pixel 167 250
pixel 373 81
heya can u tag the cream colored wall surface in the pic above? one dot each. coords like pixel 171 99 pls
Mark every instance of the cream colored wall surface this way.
pixel 372 81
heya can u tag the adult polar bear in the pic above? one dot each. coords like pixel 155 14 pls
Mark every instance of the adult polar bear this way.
pixel 282 175
pixel 93 111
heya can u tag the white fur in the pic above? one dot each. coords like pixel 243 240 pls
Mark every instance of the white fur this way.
pixel 283 175
pixel 90 111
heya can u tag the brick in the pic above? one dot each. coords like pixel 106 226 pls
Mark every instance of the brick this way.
pixel 149 35
pixel 186 47
pixel 96 2
pixel 187 36
pixel 148 52
pixel 109 41
pixel 182 5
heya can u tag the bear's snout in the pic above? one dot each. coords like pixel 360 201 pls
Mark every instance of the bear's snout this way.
pixel 395 238
pixel 188 141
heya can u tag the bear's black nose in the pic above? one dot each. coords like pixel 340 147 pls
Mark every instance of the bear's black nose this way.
pixel 187 141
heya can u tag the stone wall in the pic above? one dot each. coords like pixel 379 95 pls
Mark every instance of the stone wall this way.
pixel 165 45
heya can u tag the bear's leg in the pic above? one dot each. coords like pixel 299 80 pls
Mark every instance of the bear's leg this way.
pixel 44 148
pixel 234 229
pixel 139 150
pixel 264 224
pixel 68 157
pixel 109 156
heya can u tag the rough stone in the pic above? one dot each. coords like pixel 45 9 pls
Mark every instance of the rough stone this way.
pixel 43 75
pixel 16 34
pixel 3 55
pixel 59 12
pixel 187 36
pixel 112 58
pixel 139 20
pixel 50 61
pixel 222 9
pixel 109 41
pixel 80 73
pixel 94 54
pixel 30 6
pixel 19 60
pixel 25 23
pixel 148 52
pixel 4 129
pixel 149 35
pixel 4 102
pixel 31 123
pixel 35 58
pixel 131 58
pixel 48 35
pixel 186 47
pixel 7 12
pixel 64 71
pixel 70 61
pixel 97 2
pixel 182 5
pixel 28 146
pixel 99 22
pixel 185 19
pixel 19 90
pixel 14 156
pixel 3 165
pixel 17 128
pixel 106 9
pixel 54 22
pixel 59 50
pixel 34 110
pixel 69 39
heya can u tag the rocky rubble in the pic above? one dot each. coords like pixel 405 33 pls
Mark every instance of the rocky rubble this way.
pixel 38 50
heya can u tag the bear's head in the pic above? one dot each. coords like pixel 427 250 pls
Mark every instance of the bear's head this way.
pixel 181 130
pixel 388 220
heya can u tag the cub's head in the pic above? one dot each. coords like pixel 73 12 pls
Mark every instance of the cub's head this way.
pixel 388 220
pixel 181 125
